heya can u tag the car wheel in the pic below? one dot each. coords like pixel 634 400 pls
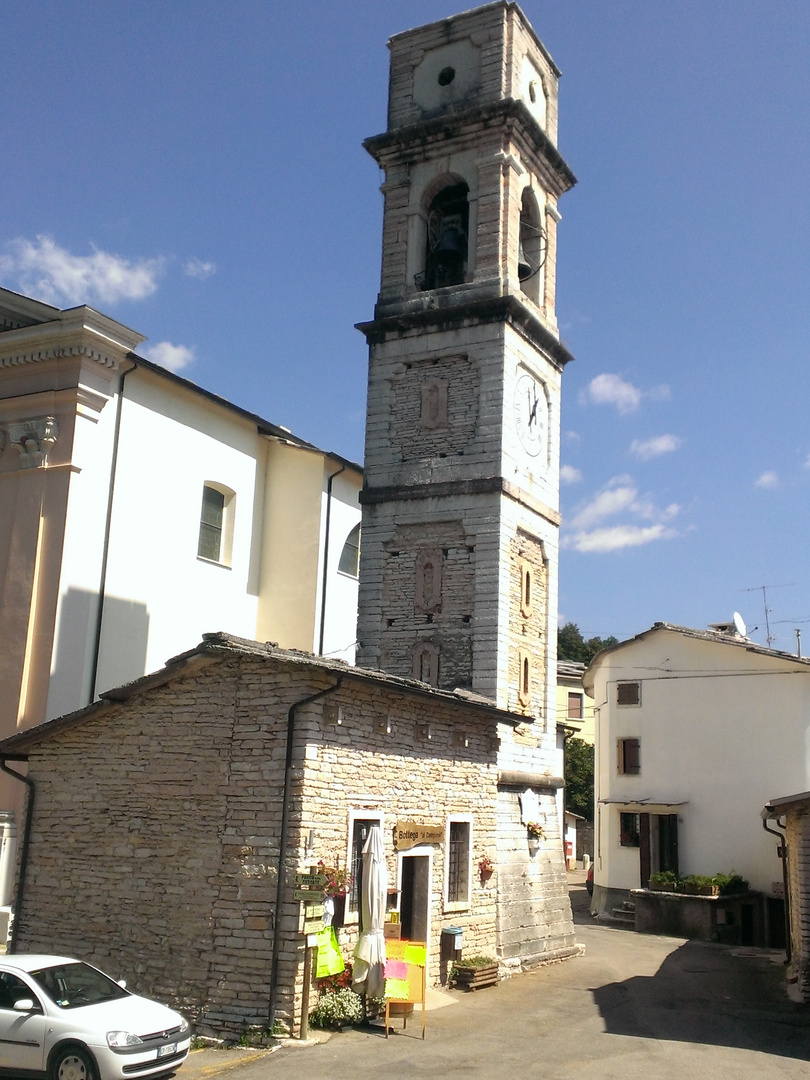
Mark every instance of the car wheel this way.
pixel 73 1063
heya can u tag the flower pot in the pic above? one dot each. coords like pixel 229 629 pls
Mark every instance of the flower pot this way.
pixel 534 845
pixel 339 917
pixel 475 978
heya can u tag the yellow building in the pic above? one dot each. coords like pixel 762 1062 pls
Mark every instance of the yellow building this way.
pixel 574 704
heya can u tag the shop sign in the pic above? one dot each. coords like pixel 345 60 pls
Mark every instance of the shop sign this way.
pixel 408 834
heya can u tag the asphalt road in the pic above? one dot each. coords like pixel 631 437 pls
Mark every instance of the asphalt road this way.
pixel 633 1006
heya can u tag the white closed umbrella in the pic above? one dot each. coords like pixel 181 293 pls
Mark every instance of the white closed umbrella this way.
pixel 368 975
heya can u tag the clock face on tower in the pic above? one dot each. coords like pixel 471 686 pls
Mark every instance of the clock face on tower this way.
pixel 530 414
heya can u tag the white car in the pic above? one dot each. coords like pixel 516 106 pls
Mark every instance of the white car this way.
pixel 65 1020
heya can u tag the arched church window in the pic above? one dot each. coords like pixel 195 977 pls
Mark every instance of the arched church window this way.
pixel 447 231
pixel 350 555
pixel 532 246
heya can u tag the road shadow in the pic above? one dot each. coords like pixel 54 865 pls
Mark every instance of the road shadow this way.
pixel 711 994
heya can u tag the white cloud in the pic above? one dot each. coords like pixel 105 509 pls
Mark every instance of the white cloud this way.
pixel 646 449
pixel 173 357
pixel 196 268
pixel 618 537
pixel 767 480
pixel 43 269
pixel 807 463
pixel 609 389
pixel 569 474
pixel 643 521
pixel 603 505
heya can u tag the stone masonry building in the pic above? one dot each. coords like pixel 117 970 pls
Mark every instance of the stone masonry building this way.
pixel 167 837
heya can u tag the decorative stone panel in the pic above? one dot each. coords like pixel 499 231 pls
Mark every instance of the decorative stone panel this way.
pixel 434 407
pixel 427 599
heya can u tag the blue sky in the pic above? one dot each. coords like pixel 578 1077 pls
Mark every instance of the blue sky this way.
pixel 195 170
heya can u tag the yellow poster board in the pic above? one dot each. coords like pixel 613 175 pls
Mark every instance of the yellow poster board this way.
pixel 405 977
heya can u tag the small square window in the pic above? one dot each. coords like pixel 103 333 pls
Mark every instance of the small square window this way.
pixel 630 756
pixel 628 693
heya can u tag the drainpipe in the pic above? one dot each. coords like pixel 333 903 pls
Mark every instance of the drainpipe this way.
pixel 326 554
pixel 23 863
pixel 282 844
pixel 107 527
pixel 782 852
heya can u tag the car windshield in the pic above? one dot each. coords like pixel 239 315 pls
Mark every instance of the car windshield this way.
pixel 71 986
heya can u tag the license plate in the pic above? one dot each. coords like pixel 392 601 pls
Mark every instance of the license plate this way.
pixel 164 1051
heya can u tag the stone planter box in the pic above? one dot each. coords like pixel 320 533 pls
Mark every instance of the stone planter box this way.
pixel 700 890
pixel 470 978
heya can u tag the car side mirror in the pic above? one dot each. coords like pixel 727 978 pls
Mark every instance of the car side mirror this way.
pixel 24 1005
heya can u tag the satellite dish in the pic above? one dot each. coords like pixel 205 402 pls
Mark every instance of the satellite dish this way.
pixel 739 625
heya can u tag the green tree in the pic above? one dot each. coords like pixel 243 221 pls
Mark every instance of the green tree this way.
pixel 572 646
pixel 579 777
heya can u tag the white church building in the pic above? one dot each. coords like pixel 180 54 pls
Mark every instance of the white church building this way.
pixel 140 511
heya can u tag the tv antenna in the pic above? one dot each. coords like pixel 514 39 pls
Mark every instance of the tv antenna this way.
pixel 763 589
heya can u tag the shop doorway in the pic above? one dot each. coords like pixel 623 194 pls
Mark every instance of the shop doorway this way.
pixel 415 876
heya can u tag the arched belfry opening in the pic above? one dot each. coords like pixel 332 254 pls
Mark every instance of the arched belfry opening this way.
pixel 448 225
pixel 532 247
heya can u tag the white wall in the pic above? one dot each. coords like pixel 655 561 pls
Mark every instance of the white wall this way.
pixel 721 727
pixel 171 444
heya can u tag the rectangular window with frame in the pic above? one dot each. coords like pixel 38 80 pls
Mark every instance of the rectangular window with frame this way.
pixel 574 706
pixel 458 862
pixel 629 756
pixel 628 693
pixel 629 830
pixel 360 821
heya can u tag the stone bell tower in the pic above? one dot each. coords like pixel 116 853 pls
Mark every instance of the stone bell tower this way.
pixel 458 572
pixel 458 582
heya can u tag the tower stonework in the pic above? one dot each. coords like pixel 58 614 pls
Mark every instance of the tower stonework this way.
pixel 458 573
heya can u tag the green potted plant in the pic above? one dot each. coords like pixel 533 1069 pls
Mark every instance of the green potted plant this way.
pixel 665 881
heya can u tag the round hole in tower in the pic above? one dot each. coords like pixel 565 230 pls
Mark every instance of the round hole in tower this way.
pixel 446 76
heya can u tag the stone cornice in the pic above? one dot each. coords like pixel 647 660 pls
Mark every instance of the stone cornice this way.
pixel 479 486
pixel 510 111
pixel 77 332
pixel 453 312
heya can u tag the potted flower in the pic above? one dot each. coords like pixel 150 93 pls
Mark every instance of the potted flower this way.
pixel 534 831
pixel 485 868
pixel 338 882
